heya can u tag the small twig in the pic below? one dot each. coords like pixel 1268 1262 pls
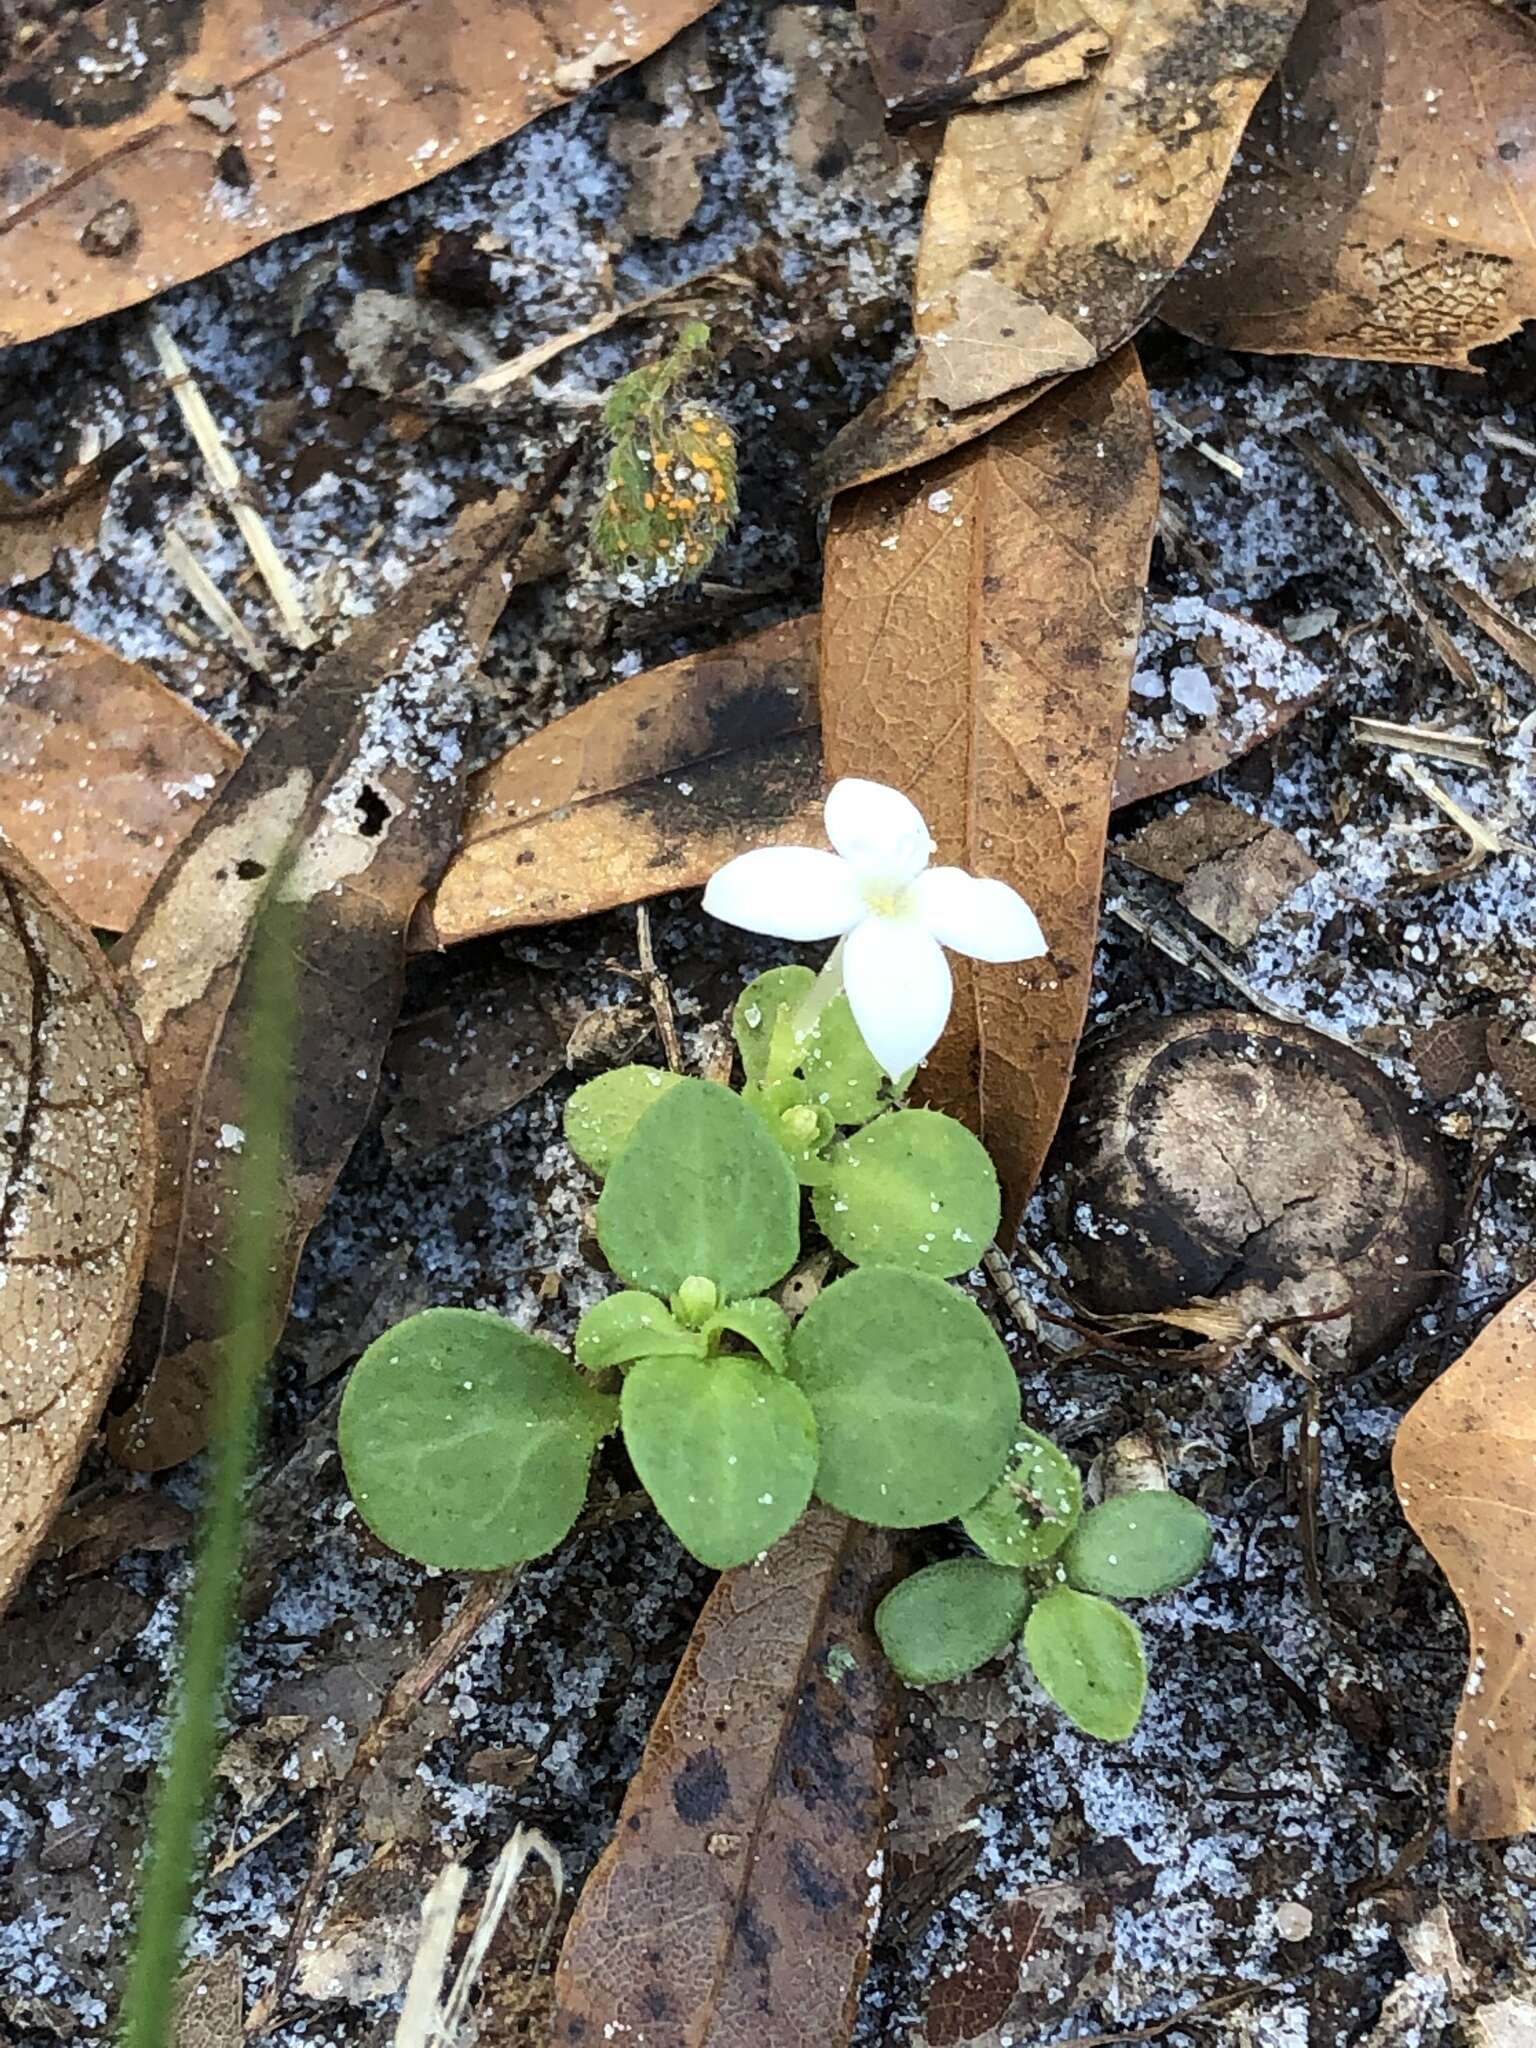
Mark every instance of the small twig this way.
pixel 229 483
pixel 1310 1460
pixel 210 600
pixel 404 1697
pixel 660 994
pixel 491 383
pixel 1010 1293
pixel 439 1923
pixel 1208 2008
pixel 1485 839
pixel 1188 438
pixel 1461 1243
pixel 1462 750
pixel 1191 952
pixel 526 1843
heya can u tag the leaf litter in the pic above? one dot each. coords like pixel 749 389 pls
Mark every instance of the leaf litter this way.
pixel 1216 1839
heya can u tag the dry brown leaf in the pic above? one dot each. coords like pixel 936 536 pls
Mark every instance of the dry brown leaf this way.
pixel 1232 870
pixel 1054 221
pixel 1383 205
pixel 228 123
pixel 211 2003
pixel 349 803
pixel 79 1153
pixel 32 530
pixel 918 47
pixel 1032 1963
pixel 1464 1465
pixel 767 783
pixel 735 1904
pixel 649 787
pixel 103 770
pixel 979 629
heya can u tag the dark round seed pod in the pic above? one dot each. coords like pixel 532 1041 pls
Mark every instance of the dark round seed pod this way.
pixel 1258 1164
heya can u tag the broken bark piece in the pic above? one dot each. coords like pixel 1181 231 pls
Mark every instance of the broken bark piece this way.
pixel 1232 870
pixel 1233 1158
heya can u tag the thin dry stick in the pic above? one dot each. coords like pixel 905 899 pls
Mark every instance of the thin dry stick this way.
pixel 1009 1292
pixel 210 600
pixel 1462 749
pixel 439 1924
pixel 490 384
pixel 229 484
pixel 401 1702
pixel 1485 838
pixel 1192 952
pixel 526 1843
pixel 658 991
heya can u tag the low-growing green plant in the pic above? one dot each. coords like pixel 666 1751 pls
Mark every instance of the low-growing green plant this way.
pixel 468 1442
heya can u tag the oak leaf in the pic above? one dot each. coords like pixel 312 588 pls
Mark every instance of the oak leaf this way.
pixel 103 770
pixel 79 1174
pixel 1382 205
pixel 1054 221
pixel 1464 1465
pixel 343 812
pixel 734 1906
pixel 651 786
pixel 1003 586
pixel 226 124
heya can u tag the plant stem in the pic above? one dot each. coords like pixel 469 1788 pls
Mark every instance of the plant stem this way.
pixel 147 2017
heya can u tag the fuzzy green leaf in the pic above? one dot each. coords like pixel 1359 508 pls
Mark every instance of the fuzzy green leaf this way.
pixel 725 1449
pixel 763 1022
pixel 913 1189
pixel 841 1072
pixel 630 1325
pixel 1137 1545
pixel 467 1442
pixel 1032 1509
pixel 914 1397
pixel 1089 1658
pixel 949 1618
pixel 801 1128
pixel 703 1189
pixel 760 1323
pixel 601 1115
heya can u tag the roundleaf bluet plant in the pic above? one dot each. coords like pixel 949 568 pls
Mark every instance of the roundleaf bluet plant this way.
pixel 468 1442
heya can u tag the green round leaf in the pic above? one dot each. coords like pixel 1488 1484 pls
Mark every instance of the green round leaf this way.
pixel 725 1449
pixel 801 1128
pixel 914 1189
pixel 631 1325
pixel 842 1073
pixel 761 1323
pixel 915 1400
pixel 1138 1544
pixel 467 1442
pixel 947 1619
pixel 701 1189
pixel 601 1115
pixel 763 1021
pixel 1088 1656
pixel 1031 1511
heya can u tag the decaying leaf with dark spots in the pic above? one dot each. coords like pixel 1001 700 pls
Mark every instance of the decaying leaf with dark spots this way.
pixel 147 146
pixel 1383 203
pixel 930 60
pixel 1054 221
pixel 1002 587
pixel 735 1904
pixel 103 770
pixel 917 47
pixel 78 1178
pixel 1464 1465
pixel 342 813
pixel 1032 1963
pixel 651 786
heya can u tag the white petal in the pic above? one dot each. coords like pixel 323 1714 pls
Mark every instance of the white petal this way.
pixel 899 989
pixel 881 831
pixel 789 892
pixel 987 920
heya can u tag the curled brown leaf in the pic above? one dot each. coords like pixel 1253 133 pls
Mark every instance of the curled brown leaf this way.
pixel 137 169
pixel 1382 207
pixel 1464 1464
pixel 79 1174
pixel 103 770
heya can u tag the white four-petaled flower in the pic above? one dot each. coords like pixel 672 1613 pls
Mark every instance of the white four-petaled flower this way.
pixel 891 912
